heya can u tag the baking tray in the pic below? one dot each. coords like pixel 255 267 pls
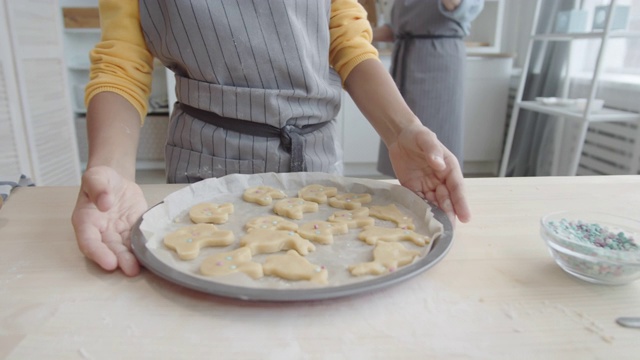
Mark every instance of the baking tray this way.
pixel 438 250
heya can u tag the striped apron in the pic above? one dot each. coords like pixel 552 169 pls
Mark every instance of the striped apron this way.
pixel 259 61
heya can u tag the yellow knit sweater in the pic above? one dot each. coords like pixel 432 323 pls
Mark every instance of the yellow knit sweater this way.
pixel 121 62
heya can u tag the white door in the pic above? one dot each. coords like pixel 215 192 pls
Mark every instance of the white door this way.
pixel 35 47
pixel 13 146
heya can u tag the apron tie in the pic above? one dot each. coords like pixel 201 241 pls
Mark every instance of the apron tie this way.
pixel 291 136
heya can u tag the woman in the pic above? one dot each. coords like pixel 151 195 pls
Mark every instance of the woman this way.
pixel 428 64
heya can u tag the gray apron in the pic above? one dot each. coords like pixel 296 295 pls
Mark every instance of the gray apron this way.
pixel 258 61
pixel 428 68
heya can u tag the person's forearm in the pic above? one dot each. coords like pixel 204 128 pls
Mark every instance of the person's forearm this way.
pixel 377 96
pixel 113 129
pixel 383 33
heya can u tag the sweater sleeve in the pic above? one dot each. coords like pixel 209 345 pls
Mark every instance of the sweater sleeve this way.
pixel 121 62
pixel 351 36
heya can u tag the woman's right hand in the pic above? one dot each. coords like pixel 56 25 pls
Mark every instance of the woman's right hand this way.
pixel 451 5
pixel 108 205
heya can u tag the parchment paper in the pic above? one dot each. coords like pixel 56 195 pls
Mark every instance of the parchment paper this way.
pixel 346 250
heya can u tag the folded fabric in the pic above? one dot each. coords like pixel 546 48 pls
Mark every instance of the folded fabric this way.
pixel 7 185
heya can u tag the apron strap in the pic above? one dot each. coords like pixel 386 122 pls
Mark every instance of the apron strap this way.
pixel 290 136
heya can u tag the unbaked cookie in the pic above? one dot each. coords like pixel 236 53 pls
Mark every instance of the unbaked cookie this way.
pixel 293 208
pixel 387 257
pixel 357 218
pixel 188 241
pixel 292 266
pixel 392 213
pixel 262 241
pixel 349 201
pixel 322 232
pixel 208 212
pixel 374 234
pixel 317 193
pixel 226 263
pixel 270 222
pixel 262 195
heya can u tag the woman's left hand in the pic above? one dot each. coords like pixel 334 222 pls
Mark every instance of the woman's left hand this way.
pixel 424 165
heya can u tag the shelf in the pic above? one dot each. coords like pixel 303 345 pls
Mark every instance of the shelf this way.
pixel 586 35
pixel 606 114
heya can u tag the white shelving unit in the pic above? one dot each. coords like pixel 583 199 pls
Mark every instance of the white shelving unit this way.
pixel 583 117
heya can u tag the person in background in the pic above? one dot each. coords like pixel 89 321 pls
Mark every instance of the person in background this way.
pixel 428 64
pixel 258 85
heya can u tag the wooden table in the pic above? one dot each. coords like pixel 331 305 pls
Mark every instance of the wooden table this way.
pixel 497 294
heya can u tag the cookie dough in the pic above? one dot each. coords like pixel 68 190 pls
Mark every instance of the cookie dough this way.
pixel 262 241
pixel 208 212
pixel 387 257
pixel 262 195
pixel 349 201
pixel 270 222
pixel 357 218
pixel 292 266
pixel 294 208
pixel 322 232
pixel 188 241
pixel 317 193
pixel 230 262
pixel 392 213
pixel 373 234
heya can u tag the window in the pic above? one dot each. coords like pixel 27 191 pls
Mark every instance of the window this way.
pixel 622 59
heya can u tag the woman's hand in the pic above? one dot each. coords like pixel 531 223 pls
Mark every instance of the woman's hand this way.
pixel 383 33
pixel 107 207
pixel 420 161
pixel 450 5
pixel 425 166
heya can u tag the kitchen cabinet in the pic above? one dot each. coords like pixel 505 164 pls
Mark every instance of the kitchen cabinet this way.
pixel 486 95
pixel 38 136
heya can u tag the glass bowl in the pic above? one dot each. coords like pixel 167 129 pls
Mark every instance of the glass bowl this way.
pixel 595 247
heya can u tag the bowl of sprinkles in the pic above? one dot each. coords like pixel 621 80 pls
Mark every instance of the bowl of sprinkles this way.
pixel 595 247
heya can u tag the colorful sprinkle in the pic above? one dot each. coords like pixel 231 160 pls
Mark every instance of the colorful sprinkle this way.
pixel 594 234
pixel 591 239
